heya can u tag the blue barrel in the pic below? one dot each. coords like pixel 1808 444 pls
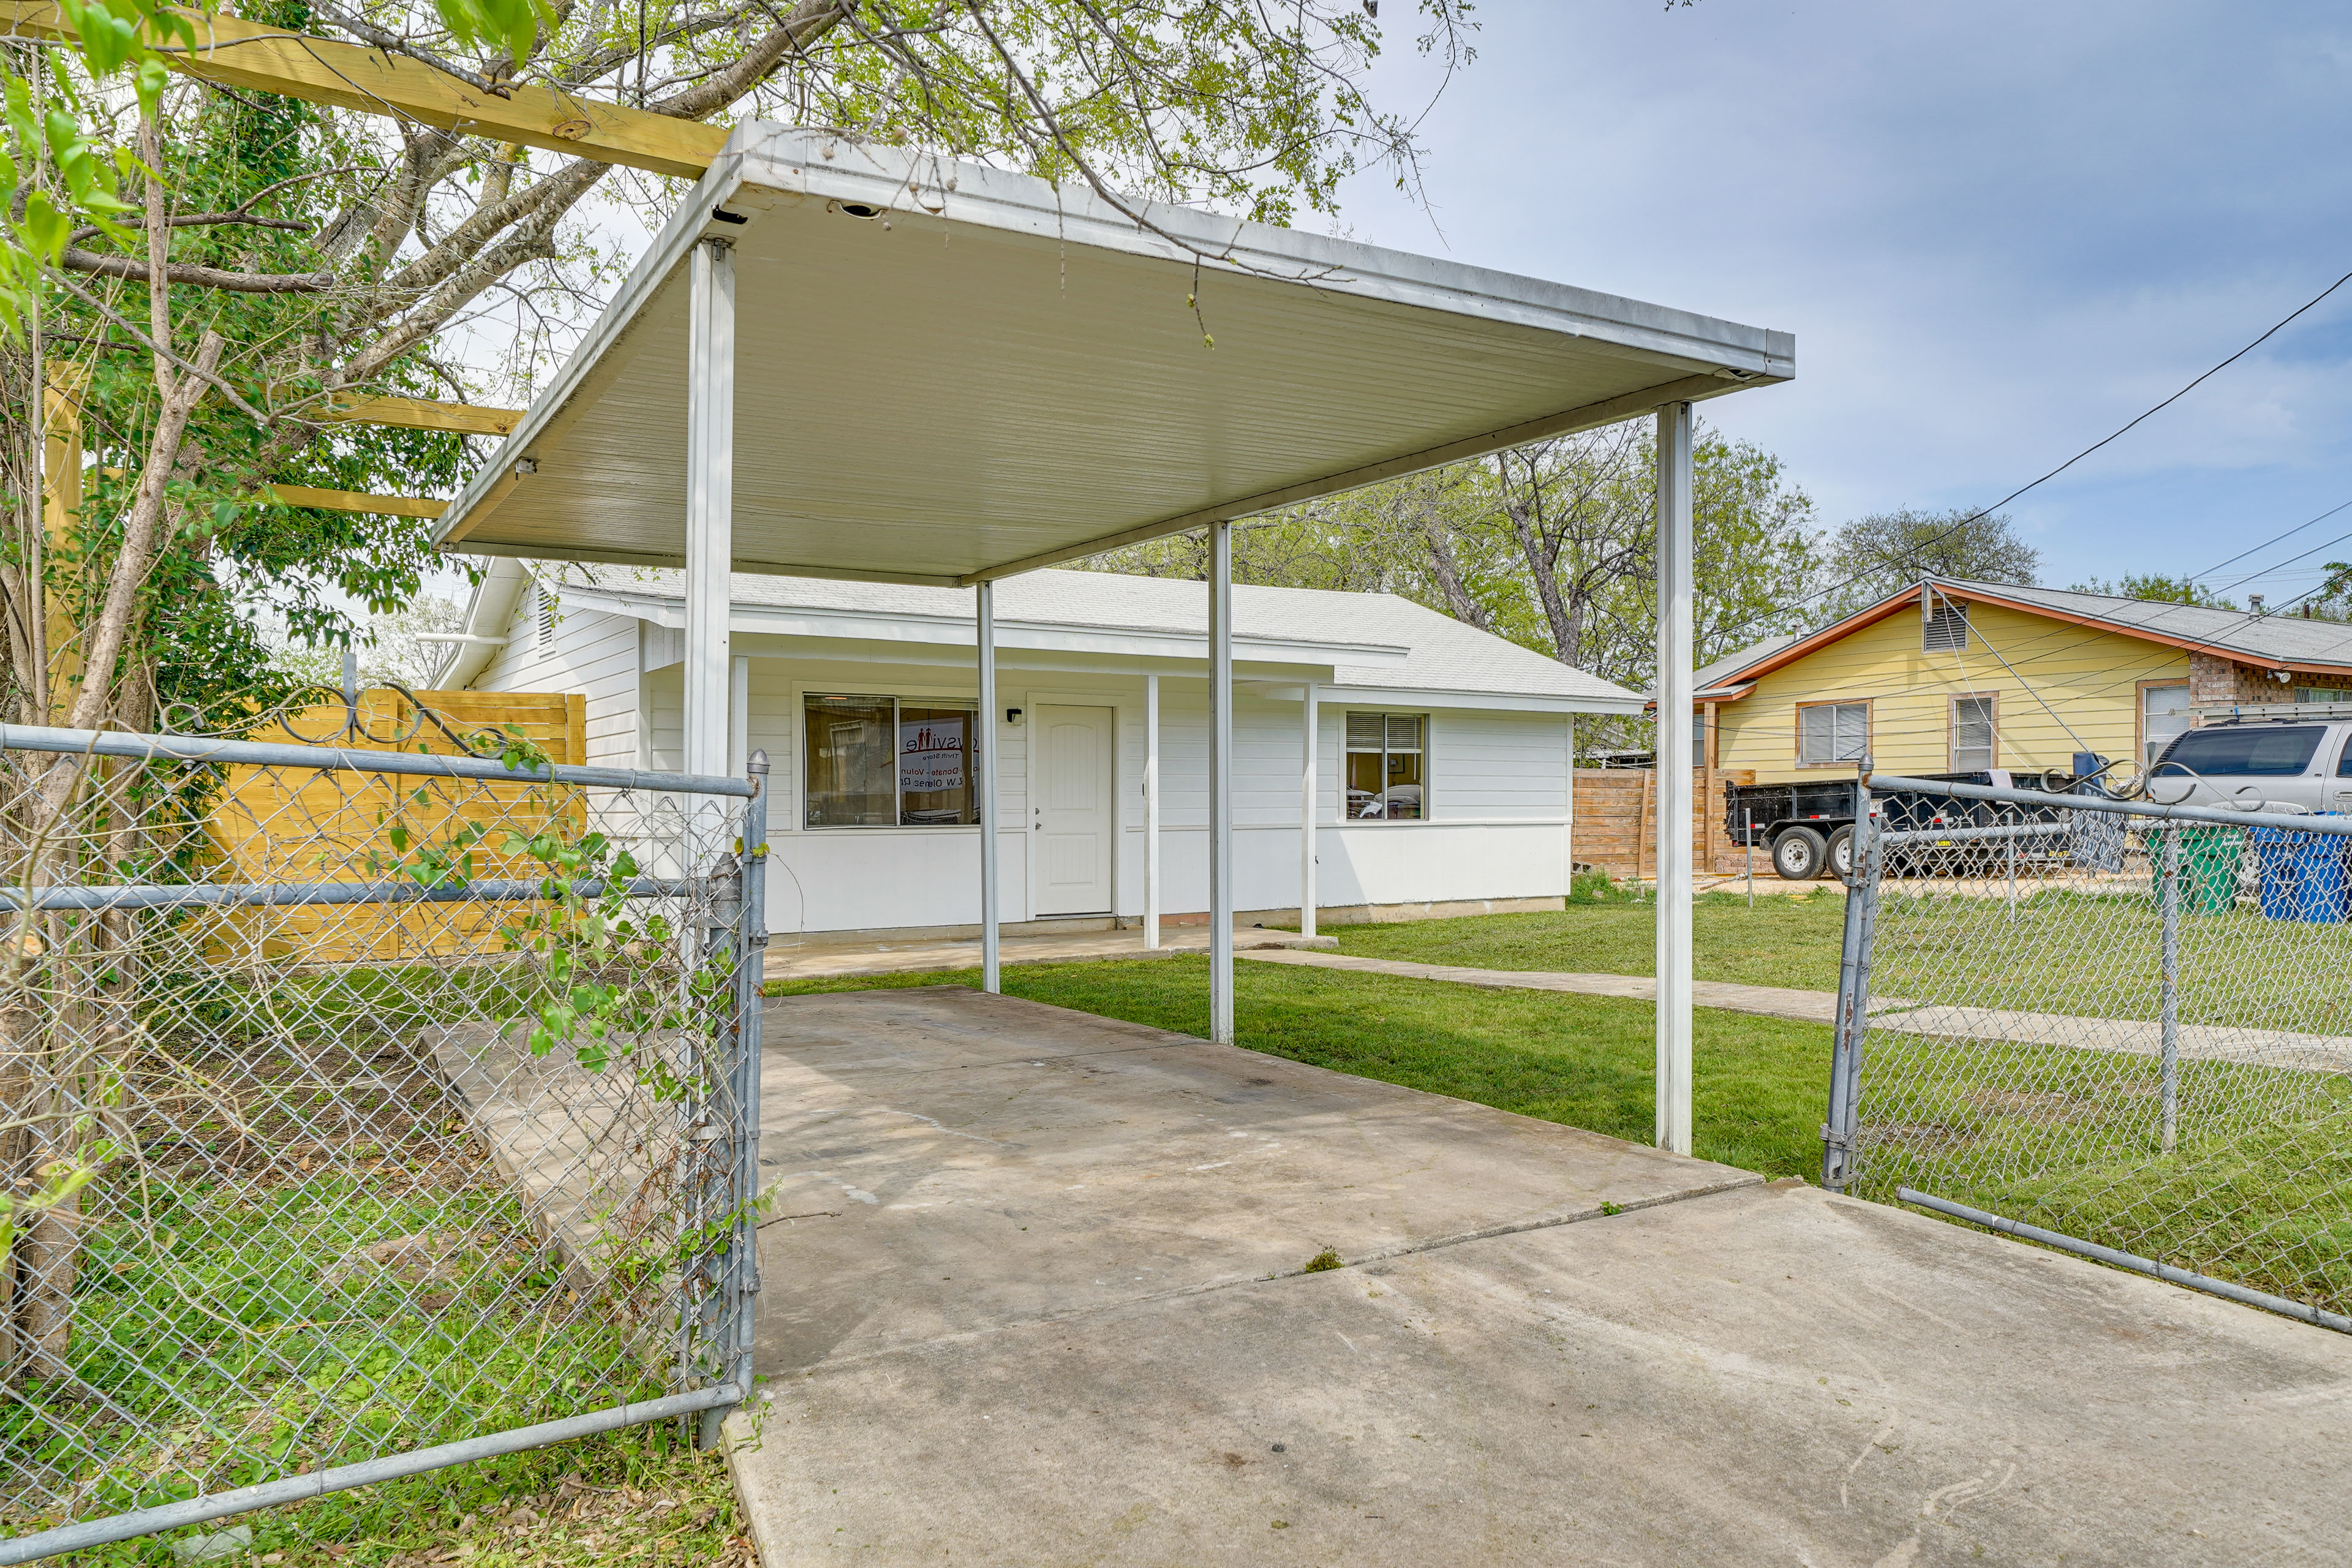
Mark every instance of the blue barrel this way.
pixel 2303 876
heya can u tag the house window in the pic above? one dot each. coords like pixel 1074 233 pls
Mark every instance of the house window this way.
pixel 1385 772
pixel 2164 716
pixel 1975 736
pixel 1947 628
pixel 1831 732
pixel 884 761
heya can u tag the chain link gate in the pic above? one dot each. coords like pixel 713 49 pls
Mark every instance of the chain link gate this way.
pixel 2112 1027
pixel 360 1113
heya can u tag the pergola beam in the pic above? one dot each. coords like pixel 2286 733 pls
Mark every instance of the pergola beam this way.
pixel 423 414
pixel 354 501
pixel 234 52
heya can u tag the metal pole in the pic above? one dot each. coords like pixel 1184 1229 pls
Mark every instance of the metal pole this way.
pixel 1844 1120
pixel 366 1473
pixel 985 805
pixel 2169 898
pixel 741 1278
pixel 1152 811
pixel 1306 893
pixel 1674 771
pixel 1221 782
pixel 1748 839
pixel 738 714
pixel 710 502
pixel 2013 879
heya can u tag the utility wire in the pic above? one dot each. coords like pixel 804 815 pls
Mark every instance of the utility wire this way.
pixel 2273 331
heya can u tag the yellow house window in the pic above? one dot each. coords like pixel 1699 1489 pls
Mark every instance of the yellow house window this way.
pixel 1975 733
pixel 1831 732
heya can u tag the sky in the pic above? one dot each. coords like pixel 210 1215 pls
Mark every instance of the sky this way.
pixel 1998 231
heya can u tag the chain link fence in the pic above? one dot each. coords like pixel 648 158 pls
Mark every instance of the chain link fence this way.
pixel 2112 1027
pixel 361 1112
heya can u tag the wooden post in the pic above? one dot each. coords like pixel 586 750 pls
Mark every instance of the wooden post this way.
pixel 60 513
pixel 1706 824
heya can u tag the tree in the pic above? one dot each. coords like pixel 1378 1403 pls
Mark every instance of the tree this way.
pixel 1872 557
pixel 1552 546
pixel 203 311
pixel 2156 586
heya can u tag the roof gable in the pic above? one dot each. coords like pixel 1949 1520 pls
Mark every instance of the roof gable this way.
pixel 2283 642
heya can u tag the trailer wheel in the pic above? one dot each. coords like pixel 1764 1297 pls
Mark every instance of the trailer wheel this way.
pixel 1839 861
pixel 1799 855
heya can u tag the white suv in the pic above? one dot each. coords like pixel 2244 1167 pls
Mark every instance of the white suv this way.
pixel 2275 764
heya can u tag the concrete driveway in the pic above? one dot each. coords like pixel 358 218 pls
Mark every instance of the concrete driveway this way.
pixel 1038 1291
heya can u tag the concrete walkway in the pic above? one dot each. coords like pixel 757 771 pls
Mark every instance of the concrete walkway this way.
pixel 1771 1002
pixel 819 961
pixel 2127 1036
pixel 1039 1291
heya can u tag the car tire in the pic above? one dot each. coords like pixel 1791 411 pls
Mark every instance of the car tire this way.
pixel 1837 859
pixel 1799 854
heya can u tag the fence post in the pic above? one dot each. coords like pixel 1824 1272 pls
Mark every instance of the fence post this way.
pixel 740 1277
pixel 2168 900
pixel 1853 995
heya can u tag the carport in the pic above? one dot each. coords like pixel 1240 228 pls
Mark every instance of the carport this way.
pixel 840 360
pixel 1045 1286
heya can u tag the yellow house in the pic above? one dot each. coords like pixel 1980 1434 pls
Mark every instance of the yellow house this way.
pixel 1957 677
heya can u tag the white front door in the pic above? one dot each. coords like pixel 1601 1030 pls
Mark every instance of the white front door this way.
pixel 1071 819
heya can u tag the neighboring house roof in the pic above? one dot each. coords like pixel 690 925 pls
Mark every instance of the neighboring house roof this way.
pixel 1717 676
pixel 2278 642
pixel 1377 641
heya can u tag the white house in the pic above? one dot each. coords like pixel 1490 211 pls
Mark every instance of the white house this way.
pixel 1442 776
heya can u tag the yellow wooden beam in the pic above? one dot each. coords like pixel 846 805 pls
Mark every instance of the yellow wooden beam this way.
pixel 60 515
pixel 354 501
pixel 237 53
pixel 424 413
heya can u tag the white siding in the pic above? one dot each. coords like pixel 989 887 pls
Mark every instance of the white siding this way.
pixel 591 652
pixel 1498 785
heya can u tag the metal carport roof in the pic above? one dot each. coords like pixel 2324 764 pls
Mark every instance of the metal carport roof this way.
pixel 945 373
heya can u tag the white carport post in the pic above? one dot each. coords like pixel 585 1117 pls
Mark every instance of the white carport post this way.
pixel 1307 815
pixel 985 790
pixel 1674 764
pixel 1221 782
pixel 1152 811
pixel 710 503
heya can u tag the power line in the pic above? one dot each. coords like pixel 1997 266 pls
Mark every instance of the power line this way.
pixel 2273 331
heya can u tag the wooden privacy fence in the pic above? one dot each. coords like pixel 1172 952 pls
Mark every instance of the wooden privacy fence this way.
pixel 298 824
pixel 1617 814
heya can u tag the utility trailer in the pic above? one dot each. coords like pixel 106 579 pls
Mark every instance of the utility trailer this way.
pixel 1808 827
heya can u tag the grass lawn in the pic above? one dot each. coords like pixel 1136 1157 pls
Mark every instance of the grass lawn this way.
pixel 1789 939
pixel 1585 1061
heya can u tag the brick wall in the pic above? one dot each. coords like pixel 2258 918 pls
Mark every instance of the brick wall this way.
pixel 1616 820
pixel 2213 678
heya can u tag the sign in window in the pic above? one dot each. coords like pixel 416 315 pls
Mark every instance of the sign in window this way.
pixel 880 762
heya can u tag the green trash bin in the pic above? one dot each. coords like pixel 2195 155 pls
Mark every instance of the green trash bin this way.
pixel 2209 858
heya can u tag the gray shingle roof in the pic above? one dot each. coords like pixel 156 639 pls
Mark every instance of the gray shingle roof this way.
pixel 1446 654
pixel 2282 639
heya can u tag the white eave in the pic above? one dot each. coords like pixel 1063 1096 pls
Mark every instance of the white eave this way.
pixel 1009 374
pixel 1034 636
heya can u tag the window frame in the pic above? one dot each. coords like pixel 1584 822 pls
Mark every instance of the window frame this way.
pixel 1869 728
pixel 1346 751
pixel 1952 730
pixel 899 702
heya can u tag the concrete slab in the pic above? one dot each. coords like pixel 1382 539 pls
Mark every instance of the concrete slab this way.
pixel 1741 1376
pixel 942 1162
